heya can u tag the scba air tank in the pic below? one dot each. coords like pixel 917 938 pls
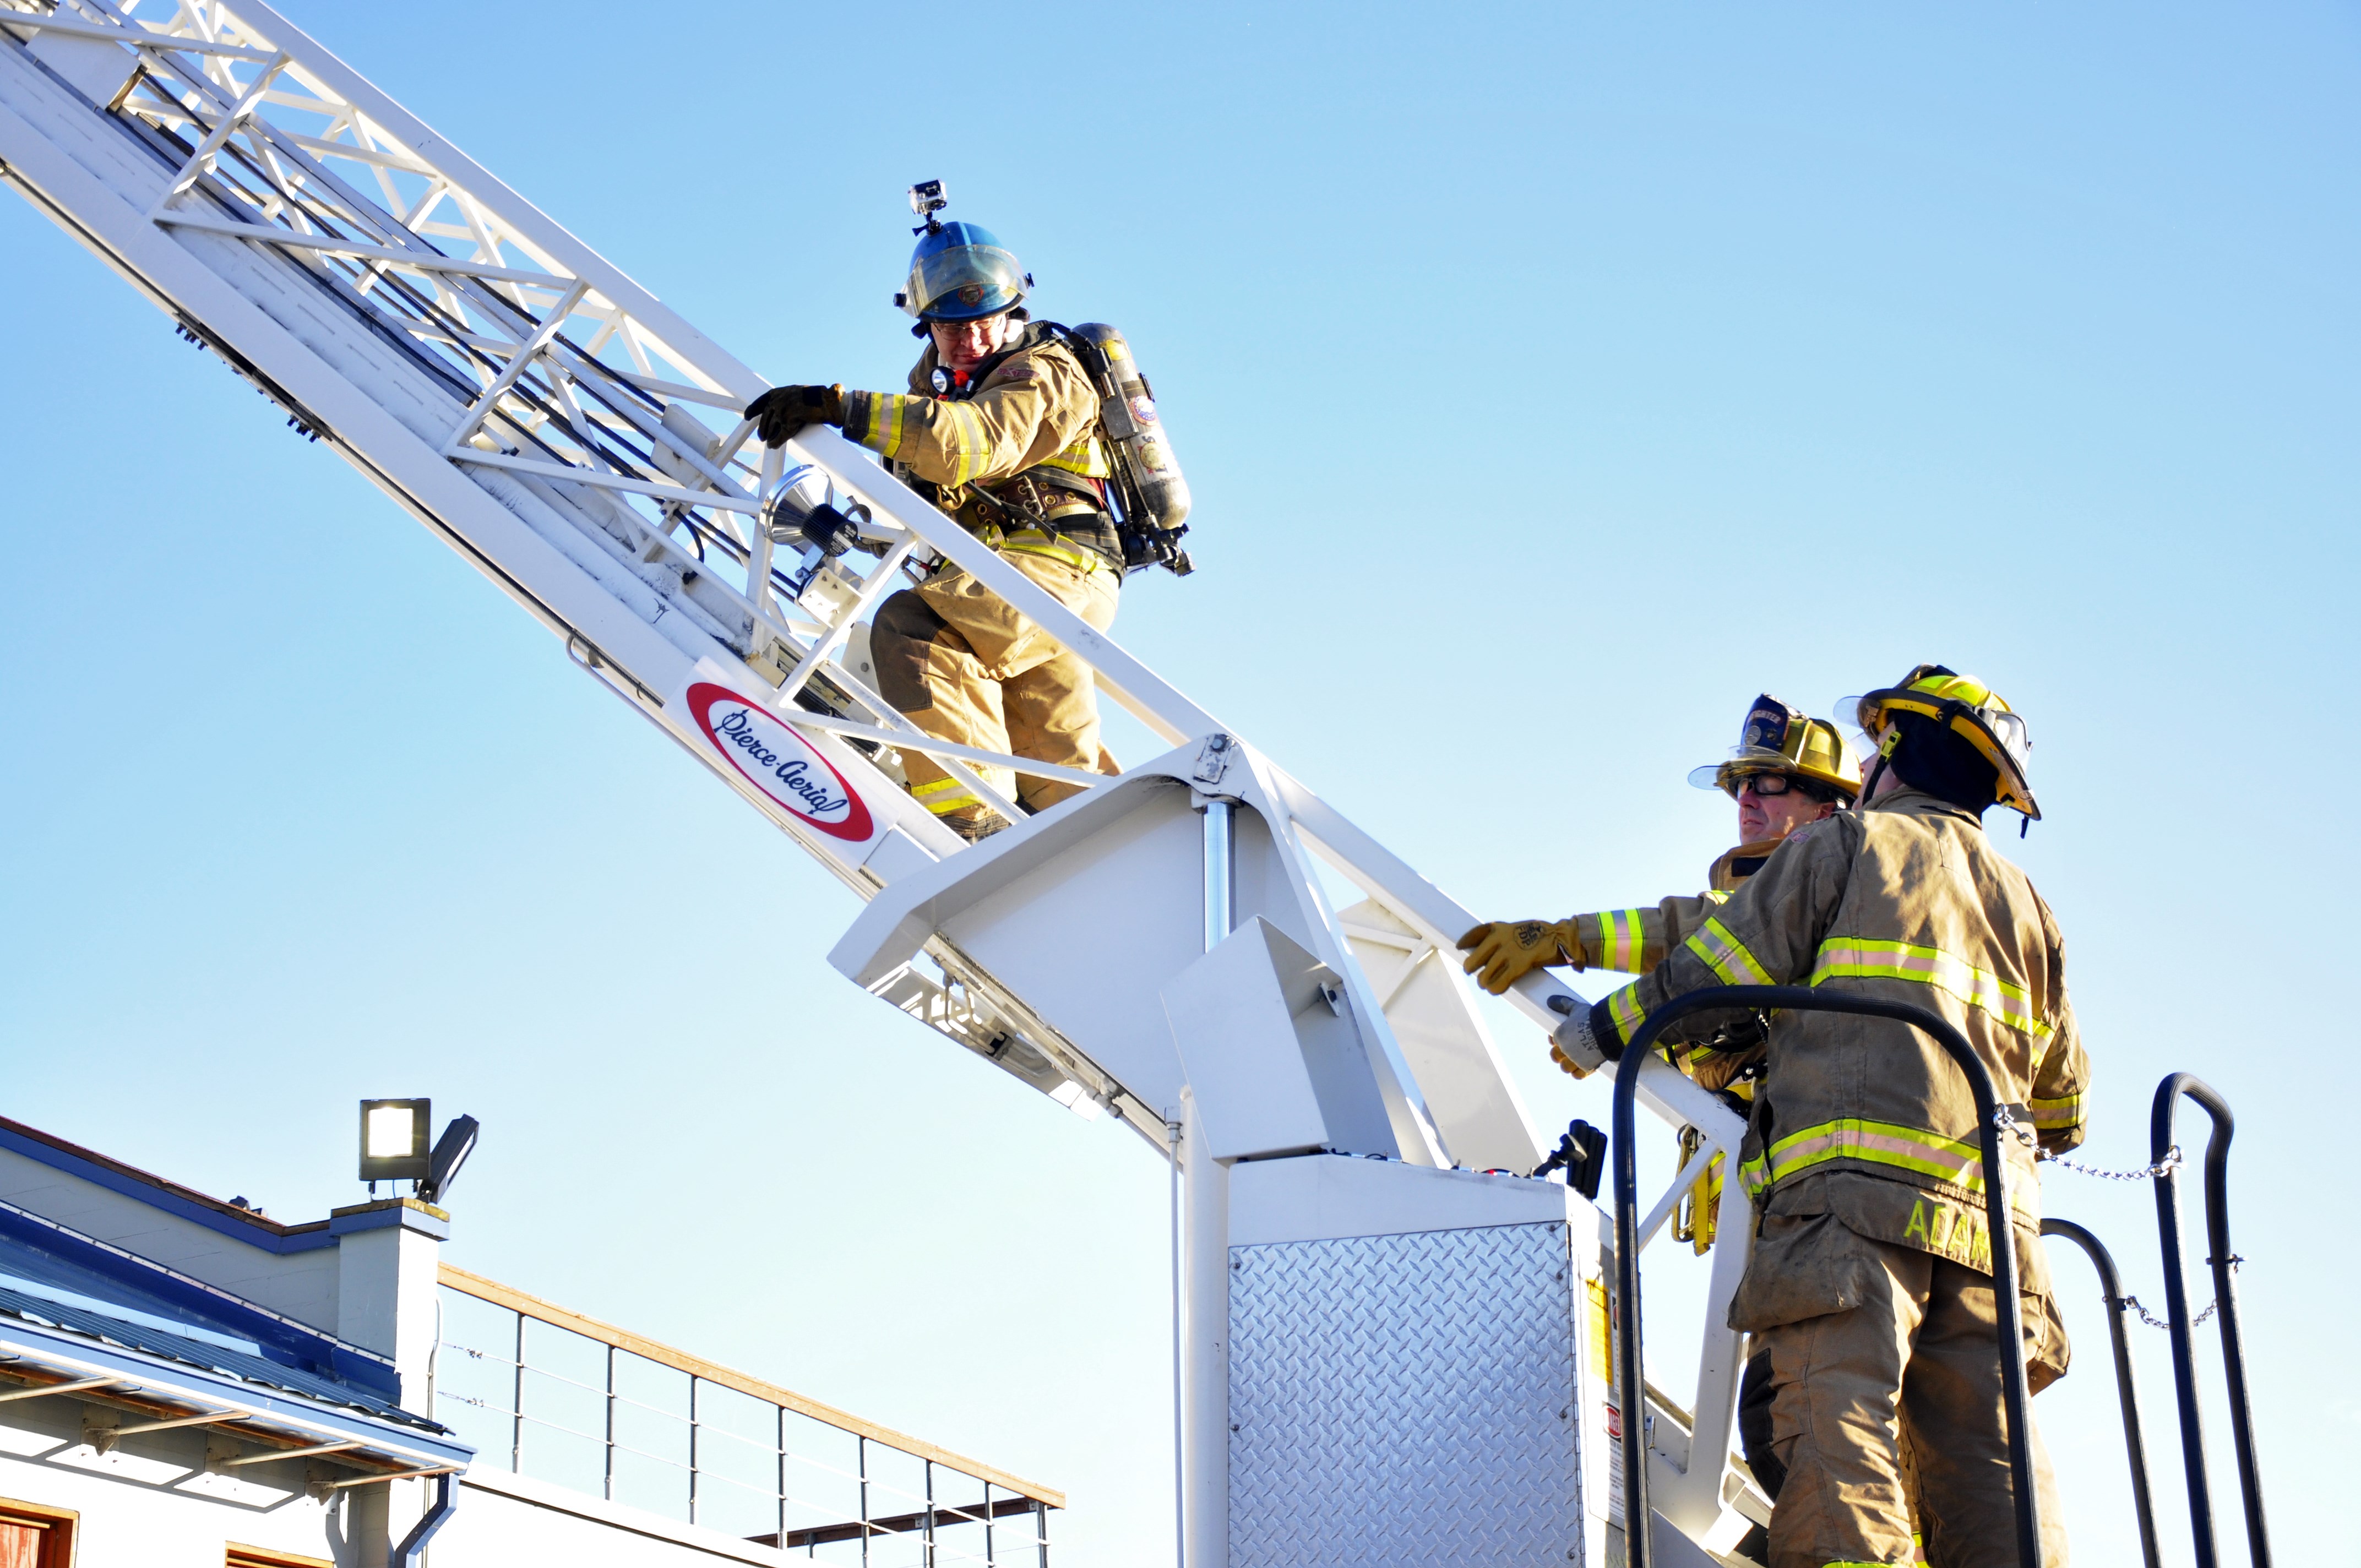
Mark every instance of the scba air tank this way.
pixel 1129 418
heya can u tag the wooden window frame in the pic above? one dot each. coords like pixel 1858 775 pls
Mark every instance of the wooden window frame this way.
pixel 57 1550
pixel 237 1556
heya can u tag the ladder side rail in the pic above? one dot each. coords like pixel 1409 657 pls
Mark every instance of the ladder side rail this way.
pixel 2224 1263
pixel 1999 1216
pixel 141 36
pixel 185 286
pixel 1441 919
pixel 535 231
pixel 468 278
pixel 2111 1291
pixel 1414 1121
pixel 349 205
pixel 291 199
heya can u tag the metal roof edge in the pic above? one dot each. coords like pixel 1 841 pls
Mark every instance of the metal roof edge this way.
pixel 78 1359
pixel 209 1304
pixel 182 1202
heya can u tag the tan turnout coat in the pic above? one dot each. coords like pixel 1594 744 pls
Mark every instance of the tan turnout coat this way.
pixel 1865 1119
pixel 1033 408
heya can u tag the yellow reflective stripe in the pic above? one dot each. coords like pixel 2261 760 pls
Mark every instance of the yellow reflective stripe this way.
pixel 2063 1111
pixel 1623 940
pixel 1860 958
pixel 944 797
pixel 1033 542
pixel 887 423
pixel 1085 457
pixel 1874 1143
pixel 972 445
pixel 1727 956
pixel 1718 895
pixel 1623 1010
pixel 952 437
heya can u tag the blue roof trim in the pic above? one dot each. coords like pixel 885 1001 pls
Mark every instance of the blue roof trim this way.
pixel 396 1437
pixel 254 1233
pixel 282 1339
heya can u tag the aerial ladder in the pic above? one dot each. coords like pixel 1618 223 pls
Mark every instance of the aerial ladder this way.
pixel 1394 1344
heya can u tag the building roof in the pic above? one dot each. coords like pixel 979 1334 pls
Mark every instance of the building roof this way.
pixel 152 1373
pixel 223 1360
pixel 37 1248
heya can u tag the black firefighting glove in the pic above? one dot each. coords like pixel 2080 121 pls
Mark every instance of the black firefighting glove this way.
pixel 784 410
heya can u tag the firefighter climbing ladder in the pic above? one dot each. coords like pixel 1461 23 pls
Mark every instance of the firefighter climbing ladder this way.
pixel 579 444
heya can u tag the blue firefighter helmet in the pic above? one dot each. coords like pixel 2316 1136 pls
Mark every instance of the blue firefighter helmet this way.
pixel 961 272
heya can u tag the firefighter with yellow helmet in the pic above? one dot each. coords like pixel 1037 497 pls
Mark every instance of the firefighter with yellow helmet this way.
pixel 1870 1282
pixel 1786 770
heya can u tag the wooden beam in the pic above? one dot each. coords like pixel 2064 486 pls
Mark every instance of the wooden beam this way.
pixel 550 1313
pixel 69 1387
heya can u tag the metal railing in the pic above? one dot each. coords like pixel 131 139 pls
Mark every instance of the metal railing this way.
pixel 2119 1310
pixel 2224 1264
pixel 568 1399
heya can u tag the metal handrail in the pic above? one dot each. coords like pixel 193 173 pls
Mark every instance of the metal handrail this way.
pixel 1630 1384
pixel 509 1299
pixel 2226 1295
pixel 2110 1285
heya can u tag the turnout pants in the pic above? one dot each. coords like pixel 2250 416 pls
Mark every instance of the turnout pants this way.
pixel 1912 1369
pixel 965 666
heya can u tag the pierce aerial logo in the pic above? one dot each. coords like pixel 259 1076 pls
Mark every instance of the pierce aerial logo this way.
pixel 778 762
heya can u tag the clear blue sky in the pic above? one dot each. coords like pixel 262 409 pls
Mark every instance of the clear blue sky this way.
pixel 1551 381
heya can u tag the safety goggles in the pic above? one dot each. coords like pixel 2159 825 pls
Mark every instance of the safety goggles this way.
pixel 1769 786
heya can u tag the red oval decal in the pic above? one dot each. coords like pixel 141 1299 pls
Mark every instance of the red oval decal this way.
pixel 772 757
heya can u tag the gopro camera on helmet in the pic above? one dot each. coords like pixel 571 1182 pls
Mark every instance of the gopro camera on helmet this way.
pixel 926 199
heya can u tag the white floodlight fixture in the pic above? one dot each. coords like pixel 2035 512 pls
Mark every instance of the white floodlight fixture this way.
pixel 394 1139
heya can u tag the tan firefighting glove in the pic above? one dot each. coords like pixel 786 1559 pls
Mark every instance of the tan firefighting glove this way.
pixel 784 410
pixel 1506 950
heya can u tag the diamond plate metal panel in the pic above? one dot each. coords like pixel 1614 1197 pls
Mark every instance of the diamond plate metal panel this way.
pixel 1404 1399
